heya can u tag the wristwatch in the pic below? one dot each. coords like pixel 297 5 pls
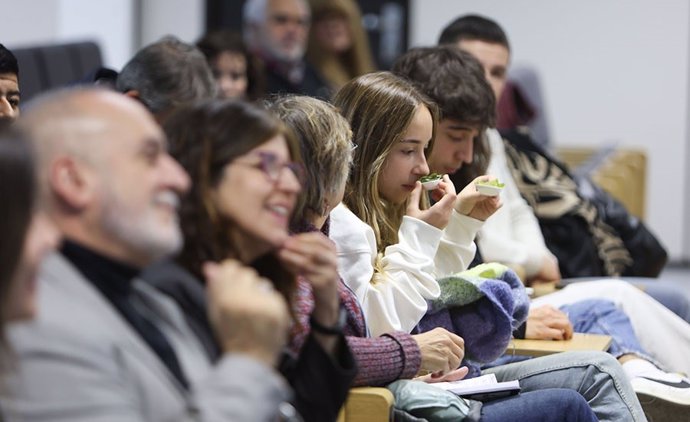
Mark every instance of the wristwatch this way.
pixel 335 330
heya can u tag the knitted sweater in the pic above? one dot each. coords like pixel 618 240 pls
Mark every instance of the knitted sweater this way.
pixel 380 360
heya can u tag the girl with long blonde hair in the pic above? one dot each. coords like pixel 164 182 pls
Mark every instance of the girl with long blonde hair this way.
pixel 391 246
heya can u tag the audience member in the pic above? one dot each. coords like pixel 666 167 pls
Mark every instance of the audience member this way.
pixel 386 150
pixel 566 217
pixel 338 45
pixel 165 75
pixel 9 85
pixel 27 234
pixel 276 32
pixel 382 206
pixel 122 349
pixel 246 174
pixel 172 279
pixel 235 70
pixel 455 81
pixel 487 41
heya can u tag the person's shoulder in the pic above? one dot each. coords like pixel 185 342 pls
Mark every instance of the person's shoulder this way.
pixel 343 219
pixel 346 229
pixel 72 315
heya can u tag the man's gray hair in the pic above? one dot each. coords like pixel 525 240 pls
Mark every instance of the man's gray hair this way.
pixel 166 74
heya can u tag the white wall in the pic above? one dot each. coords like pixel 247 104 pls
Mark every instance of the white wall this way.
pixel 183 18
pixel 119 26
pixel 611 70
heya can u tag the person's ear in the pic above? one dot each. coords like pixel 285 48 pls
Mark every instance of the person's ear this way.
pixel 71 182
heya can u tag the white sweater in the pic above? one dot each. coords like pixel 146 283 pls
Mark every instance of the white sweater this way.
pixel 512 234
pixel 395 298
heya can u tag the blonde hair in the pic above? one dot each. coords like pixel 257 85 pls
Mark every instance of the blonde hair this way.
pixel 326 147
pixel 338 69
pixel 379 107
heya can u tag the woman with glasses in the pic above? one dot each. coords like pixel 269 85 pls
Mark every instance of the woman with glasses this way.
pixel 246 181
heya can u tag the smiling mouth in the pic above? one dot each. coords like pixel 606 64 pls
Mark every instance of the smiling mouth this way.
pixel 280 210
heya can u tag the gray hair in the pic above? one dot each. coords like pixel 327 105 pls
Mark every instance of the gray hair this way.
pixel 326 146
pixel 166 74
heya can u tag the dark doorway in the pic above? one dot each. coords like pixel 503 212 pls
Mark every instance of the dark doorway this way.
pixel 386 23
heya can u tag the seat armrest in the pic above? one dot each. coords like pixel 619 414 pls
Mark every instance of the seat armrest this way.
pixel 367 404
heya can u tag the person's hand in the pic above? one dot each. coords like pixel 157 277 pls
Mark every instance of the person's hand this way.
pixel 248 315
pixel 438 215
pixel 313 256
pixel 441 350
pixel 473 204
pixel 549 270
pixel 451 376
pixel 548 323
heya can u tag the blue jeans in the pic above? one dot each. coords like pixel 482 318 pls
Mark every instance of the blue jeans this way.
pixel 597 376
pixel 603 317
pixel 554 404
pixel 676 300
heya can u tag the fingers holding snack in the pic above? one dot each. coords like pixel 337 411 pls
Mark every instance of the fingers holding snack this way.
pixel 475 203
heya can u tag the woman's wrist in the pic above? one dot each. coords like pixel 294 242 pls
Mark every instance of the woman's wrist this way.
pixel 334 327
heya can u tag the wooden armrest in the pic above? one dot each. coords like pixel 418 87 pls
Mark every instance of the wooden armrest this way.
pixel 367 404
pixel 580 341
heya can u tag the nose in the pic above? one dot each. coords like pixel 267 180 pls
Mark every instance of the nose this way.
pixel 288 181
pixel 227 85
pixel 465 153
pixel 422 167
pixel 6 109
pixel 175 176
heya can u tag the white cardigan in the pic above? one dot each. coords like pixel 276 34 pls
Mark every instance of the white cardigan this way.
pixel 395 298
pixel 512 234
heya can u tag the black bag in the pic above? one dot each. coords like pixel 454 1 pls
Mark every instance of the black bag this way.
pixel 648 255
pixel 569 236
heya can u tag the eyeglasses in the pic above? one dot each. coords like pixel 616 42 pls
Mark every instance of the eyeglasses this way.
pixel 273 167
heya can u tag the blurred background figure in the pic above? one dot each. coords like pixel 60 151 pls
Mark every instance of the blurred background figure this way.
pixel 338 45
pixel 9 85
pixel 27 236
pixel 276 33
pixel 235 70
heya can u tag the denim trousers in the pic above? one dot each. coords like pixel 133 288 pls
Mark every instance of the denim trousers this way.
pixel 654 325
pixel 598 316
pixel 549 405
pixel 664 292
pixel 597 376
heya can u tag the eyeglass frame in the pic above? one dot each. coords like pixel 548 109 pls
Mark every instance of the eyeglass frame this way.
pixel 272 167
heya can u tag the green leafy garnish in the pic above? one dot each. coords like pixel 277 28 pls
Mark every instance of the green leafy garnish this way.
pixel 493 182
pixel 430 177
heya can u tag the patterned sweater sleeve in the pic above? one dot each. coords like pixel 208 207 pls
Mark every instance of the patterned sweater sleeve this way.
pixel 382 360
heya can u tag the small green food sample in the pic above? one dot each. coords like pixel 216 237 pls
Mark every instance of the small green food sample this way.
pixel 430 177
pixel 494 182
